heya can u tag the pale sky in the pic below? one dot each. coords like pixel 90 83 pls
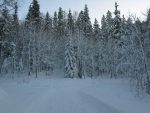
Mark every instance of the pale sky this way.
pixel 96 7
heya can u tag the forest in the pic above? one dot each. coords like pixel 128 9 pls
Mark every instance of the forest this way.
pixel 115 47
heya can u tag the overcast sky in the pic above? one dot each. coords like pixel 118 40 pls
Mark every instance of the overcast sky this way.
pixel 96 7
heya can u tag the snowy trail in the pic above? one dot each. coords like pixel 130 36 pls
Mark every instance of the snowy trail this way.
pixel 56 96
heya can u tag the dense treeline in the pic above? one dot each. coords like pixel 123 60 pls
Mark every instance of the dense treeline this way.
pixel 120 47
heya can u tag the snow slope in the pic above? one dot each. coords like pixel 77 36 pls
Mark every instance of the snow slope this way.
pixel 69 96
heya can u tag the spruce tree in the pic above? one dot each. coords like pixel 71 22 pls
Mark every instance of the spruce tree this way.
pixel 96 30
pixel 15 23
pixel 55 25
pixel 109 18
pixel 87 23
pixel 88 33
pixel 33 21
pixel 60 27
pixel 70 60
pixel 114 42
pixel 109 23
pixel 80 21
pixel 117 22
pixel 103 27
pixel 15 16
pixel 48 23
pixel 33 16
pixel 96 46
pixel 28 18
pixel 70 22
pixel 80 43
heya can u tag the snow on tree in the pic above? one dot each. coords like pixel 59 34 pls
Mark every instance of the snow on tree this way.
pixel 96 30
pixel 119 48
pixel 61 23
pixel 117 22
pixel 109 23
pixel 48 23
pixel 6 31
pixel 80 21
pixel 87 23
pixel 55 25
pixel 103 27
pixel 33 27
pixel 80 44
pixel 15 35
pixel 70 23
pixel 70 60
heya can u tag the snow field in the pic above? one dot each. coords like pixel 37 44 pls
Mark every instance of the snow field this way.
pixel 69 96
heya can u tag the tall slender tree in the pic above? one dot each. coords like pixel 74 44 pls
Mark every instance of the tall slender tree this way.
pixel 70 22
pixel 96 30
pixel 60 27
pixel 117 22
pixel 109 23
pixel 103 27
pixel 48 23
pixel 87 23
pixel 55 25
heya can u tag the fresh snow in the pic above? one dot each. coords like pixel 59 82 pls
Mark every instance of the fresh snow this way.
pixel 69 96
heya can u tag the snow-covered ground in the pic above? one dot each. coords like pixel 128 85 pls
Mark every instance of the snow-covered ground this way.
pixel 69 96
